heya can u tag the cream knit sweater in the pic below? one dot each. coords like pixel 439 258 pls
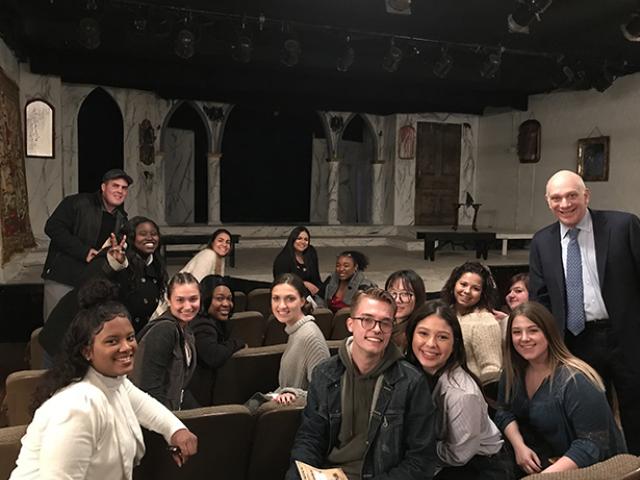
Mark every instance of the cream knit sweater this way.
pixel 483 342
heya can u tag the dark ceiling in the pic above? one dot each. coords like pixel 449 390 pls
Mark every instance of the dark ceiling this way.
pixel 577 44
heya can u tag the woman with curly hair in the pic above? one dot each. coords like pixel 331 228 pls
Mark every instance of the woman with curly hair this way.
pixel 87 413
pixel 470 291
pixel 347 279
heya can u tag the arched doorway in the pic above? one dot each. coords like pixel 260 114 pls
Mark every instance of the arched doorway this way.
pixel 185 143
pixel 100 139
pixel 265 172
pixel 355 173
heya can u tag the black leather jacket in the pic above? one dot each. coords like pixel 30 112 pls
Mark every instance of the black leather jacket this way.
pixel 401 441
pixel 73 228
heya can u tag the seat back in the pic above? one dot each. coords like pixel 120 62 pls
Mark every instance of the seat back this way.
pixel 248 371
pixel 239 301
pixel 10 448
pixel 259 300
pixel 274 333
pixel 20 387
pixel 323 317
pixel 273 437
pixel 224 442
pixel 339 324
pixel 36 352
pixel 248 327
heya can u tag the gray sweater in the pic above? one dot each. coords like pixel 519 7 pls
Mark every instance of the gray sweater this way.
pixel 305 349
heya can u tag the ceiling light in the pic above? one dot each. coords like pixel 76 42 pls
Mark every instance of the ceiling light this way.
pixel 444 65
pixel 184 45
pixel 345 61
pixel 524 13
pixel 291 51
pixel 398 7
pixel 89 33
pixel 631 29
pixel 392 59
pixel 491 67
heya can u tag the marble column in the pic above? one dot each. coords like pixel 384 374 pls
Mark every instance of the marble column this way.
pixel 213 170
pixel 377 193
pixel 332 189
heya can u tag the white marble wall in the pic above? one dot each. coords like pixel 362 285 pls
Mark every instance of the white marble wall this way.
pixel 179 175
pixel 319 181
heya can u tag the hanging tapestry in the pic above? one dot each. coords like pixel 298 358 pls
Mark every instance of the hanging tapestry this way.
pixel 15 227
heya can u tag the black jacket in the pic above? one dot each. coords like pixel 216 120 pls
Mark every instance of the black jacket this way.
pixel 73 228
pixel 401 441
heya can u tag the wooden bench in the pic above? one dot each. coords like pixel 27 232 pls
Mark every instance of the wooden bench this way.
pixel 506 236
pixel 481 240
pixel 199 240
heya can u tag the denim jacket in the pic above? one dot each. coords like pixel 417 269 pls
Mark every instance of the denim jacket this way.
pixel 401 438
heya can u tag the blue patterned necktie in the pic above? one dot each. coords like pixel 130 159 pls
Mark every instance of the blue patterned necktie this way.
pixel 575 289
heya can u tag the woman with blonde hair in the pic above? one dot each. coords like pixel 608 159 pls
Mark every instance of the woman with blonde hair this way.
pixel 551 405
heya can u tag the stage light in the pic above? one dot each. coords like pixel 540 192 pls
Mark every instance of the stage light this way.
pixel 398 7
pixel 345 61
pixel 524 13
pixel 89 33
pixel 291 51
pixel 184 44
pixel 491 67
pixel 631 29
pixel 444 65
pixel 242 49
pixel 392 59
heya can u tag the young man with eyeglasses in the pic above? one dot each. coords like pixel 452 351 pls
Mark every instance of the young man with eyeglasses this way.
pixel 368 411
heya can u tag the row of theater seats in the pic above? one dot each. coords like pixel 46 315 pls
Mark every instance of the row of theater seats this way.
pixel 233 445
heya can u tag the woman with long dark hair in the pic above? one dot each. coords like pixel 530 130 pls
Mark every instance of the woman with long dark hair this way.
pixel 212 336
pixel 470 291
pixel 469 445
pixel 407 289
pixel 138 270
pixel 552 406
pixel 299 257
pixel 87 413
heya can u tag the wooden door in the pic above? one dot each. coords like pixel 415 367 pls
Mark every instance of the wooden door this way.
pixel 437 173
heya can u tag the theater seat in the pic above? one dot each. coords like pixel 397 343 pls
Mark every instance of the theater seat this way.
pixel 324 317
pixel 224 442
pixel 259 300
pixel 248 371
pixel 239 301
pixel 274 333
pixel 339 325
pixel 620 467
pixel 36 352
pixel 10 448
pixel 249 327
pixel 270 459
pixel 20 387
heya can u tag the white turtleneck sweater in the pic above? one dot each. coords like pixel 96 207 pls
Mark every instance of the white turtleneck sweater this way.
pixel 91 430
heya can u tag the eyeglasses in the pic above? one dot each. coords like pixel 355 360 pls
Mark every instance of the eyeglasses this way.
pixel 368 323
pixel 403 296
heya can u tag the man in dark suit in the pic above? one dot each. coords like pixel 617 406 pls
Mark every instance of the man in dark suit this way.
pixel 586 269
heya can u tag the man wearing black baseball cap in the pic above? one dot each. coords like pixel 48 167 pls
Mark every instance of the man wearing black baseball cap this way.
pixel 78 228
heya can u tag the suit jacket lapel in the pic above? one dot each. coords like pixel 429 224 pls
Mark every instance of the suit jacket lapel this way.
pixel 601 238
pixel 555 256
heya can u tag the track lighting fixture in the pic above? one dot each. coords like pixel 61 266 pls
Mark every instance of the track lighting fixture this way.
pixel 291 51
pixel 345 61
pixel 524 13
pixel 491 67
pixel 631 29
pixel 444 65
pixel 392 59
pixel 242 48
pixel 184 44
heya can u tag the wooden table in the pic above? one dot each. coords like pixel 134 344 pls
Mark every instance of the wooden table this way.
pixel 194 239
pixel 481 240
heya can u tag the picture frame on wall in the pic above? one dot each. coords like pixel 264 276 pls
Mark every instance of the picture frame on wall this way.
pixel 593 159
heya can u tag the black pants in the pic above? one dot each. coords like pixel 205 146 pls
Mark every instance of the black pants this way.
pixel 494 467
pixel 599 347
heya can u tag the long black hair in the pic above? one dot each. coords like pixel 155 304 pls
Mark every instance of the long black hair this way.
pixel 138 264
pixel 310 255
pixel 98 305
pixel 411 281
pixel 458 357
